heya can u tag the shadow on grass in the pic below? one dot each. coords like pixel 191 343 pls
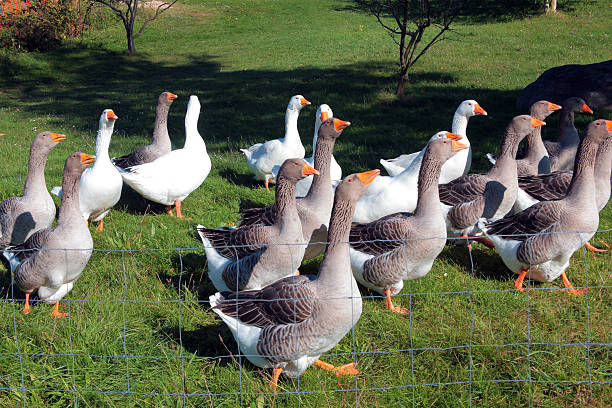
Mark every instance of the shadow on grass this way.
pixel 206 341
pixel 243 107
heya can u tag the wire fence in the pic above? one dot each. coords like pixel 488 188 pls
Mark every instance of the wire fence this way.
pixel 424 360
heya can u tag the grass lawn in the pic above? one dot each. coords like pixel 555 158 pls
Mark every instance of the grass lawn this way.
pixel 140 332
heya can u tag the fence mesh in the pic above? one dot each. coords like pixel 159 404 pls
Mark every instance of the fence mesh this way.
pixel 469 340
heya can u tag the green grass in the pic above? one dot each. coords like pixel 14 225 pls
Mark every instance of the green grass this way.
pixel 244 59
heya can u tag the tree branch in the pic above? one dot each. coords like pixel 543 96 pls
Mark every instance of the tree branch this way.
pixel 157 13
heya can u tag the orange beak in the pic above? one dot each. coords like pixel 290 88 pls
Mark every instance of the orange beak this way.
pixel 307 169
pixel 110 115
pixel 87 158
pixel 479 111
pixel 324 116
pixel 553 106
pixel 458 146
pixel 57 137
pixel 537 122
pixel 340 124
pixel 368 176
pixel 586 109
pixel 172 96
pixel 304 101
pixel 450 135
pixel 609 125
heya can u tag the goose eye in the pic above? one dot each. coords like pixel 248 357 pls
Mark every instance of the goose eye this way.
pixel 445 141
pixel 350 180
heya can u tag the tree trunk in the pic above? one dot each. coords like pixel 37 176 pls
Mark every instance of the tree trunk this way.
pixel 401 84
pixel 130 39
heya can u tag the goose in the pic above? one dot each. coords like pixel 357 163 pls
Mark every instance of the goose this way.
pixel 170 178
pixel 390 194
pixel 554 186
pixel 467 199
pixel 255 256
pixel 262 157
pixel 534 160
pixel 161 140
pixel 287 325
pixel 403 246
pixel 100 186
pixel 324 112
pixel 52 259
pixel 541 240
pixel 459 164
pixel 563 152
pixel 314 210
pixel 22 216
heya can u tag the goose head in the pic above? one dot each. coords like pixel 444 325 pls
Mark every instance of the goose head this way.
pixel 445 146
pixel 107 120
pixel 521 125
pixel 599 130
pixel 77 162
pixel 166 98
pixel 297 102
pixel 353 186
pixel 470 108
pixel 46 141
pixel 332 128
pixel 542 109
pixel 576 105
pixel 295 170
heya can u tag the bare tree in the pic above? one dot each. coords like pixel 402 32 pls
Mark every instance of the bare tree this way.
pixel 126 10
pixel 406 22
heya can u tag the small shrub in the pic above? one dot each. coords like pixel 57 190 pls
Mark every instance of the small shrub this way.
pixel 43 24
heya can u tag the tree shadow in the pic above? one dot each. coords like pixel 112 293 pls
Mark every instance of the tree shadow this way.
pixel 480 11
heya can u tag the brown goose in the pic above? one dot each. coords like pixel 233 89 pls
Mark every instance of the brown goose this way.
pixel 397 247
pixel 255 256
pixel 287 325
pixel 22 216
pixel 542 237
pixel 314 209
pixel 467 199
pixel 161 140
pixel 563 152
pixel 52 259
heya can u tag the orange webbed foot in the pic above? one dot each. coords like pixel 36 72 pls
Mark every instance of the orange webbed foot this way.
pixel 57 313
pixel 590 247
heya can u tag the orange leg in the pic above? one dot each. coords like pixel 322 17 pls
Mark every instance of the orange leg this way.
pixel 347 369
pixel 56 311
pixel 26 308
pixel 169 207
pixel 100 225
pixel 518 283
pixel 266 183
pixel 485 241
pixel 275 374
pixel 568 285
pixel 469 245
pixel 86 223
pixel 394 309
pixel 594 249
pixel 179 214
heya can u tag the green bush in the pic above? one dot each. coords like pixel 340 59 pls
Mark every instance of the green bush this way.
pixel 44 24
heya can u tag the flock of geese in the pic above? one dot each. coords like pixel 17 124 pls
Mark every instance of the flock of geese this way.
pixel 375 230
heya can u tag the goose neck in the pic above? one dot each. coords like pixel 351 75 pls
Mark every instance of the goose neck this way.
pixel 335 266
pixel 69 207
pixel 103 143
pixel 291 129
pixel 321 183
pixel 567 130
pixel 428 201
pixel 35 180
pixel 459 126
pixel 582 185
pixel 284 197
pixel 160 130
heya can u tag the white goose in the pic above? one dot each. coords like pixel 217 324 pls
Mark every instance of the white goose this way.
pixel 100 186
pixel 387 195
pixel 170 178
pixel 262 157
pixel 456 166
pixel 303 186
